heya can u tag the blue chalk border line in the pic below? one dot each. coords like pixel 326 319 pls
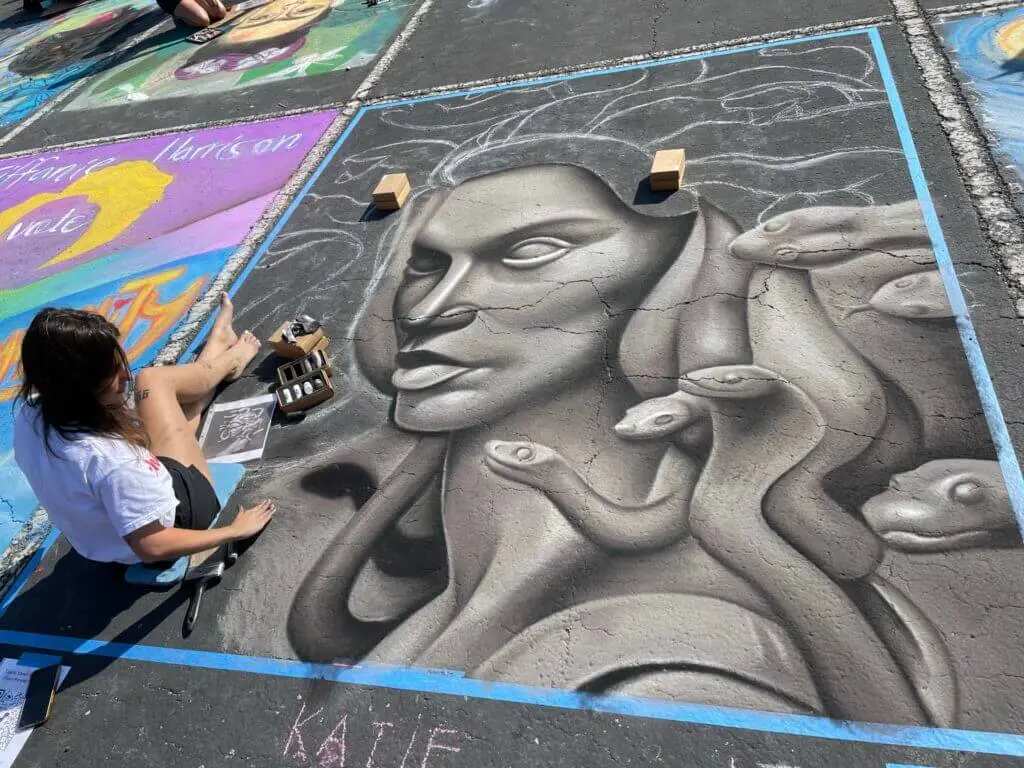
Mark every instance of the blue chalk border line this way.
pixel 453 683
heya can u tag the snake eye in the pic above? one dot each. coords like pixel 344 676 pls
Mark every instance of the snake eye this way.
pixel 523 453
pixel 664 419
pixel 967 492
pixel 775 225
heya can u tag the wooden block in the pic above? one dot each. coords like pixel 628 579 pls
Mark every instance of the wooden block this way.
pixel 392 192
pixel 303 344
pixel 667 170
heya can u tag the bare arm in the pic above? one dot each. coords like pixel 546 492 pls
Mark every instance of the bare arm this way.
pixel 154 542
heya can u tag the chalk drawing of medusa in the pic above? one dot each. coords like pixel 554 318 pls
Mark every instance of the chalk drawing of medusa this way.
pixel 630 436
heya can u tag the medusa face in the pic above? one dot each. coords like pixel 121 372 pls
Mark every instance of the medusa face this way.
pixel 513 289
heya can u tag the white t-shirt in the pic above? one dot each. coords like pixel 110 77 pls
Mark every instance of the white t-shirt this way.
pixel 95 490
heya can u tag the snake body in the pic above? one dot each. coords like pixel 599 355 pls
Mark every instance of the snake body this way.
pixel 614 526
pixel 754 408
pixel 321 626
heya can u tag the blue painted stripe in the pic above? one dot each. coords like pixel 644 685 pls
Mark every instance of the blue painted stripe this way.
pixel 276 229
pixel 979 369
pixel 429 681
pixel 452 684
pixel 38 660
pixel 26 573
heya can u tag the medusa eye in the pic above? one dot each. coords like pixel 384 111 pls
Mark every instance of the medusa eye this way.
pixel 426 263
pixel 967 492
pixel 535 252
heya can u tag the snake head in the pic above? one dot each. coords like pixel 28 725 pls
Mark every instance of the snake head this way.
pixel 657 417
pixel 734 382
pixel 521 461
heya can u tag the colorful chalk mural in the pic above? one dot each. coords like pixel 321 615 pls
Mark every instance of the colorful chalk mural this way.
pixel 989 51
pixel 43 58
pixel 283 40
pixel 134 231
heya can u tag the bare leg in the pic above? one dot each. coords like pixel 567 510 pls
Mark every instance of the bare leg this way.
pixel 199 13
pixel 160 392
pixel 222 337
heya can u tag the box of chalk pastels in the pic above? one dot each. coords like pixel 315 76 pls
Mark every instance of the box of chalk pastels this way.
pixel 304 383
pixel 298 338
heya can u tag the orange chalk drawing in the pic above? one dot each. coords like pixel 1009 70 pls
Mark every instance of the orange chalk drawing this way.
pixel 136 305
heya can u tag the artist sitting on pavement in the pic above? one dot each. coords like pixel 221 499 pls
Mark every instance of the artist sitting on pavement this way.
pixel 195 13
pixel 89 456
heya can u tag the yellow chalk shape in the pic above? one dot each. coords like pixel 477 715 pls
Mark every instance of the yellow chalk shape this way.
pixel 1010 39
pixel 122 193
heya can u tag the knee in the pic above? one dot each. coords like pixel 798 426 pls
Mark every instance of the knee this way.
pixel 192 13
pixel 214 9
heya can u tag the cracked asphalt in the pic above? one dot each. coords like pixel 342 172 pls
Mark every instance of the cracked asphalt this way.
pixel 443 81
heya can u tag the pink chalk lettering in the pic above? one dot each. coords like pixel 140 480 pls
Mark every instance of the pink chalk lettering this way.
pixel 412 741
pixel 332 751
pixel 376 741
pixel 296 735
pixel 433 745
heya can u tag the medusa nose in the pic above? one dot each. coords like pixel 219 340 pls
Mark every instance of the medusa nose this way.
pixel 451 319
pixel 441 309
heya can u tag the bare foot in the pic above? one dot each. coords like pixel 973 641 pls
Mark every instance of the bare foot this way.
pixel 242 353
pixel 222 336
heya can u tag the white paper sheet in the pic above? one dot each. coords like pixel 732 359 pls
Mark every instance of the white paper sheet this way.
pixel 13 685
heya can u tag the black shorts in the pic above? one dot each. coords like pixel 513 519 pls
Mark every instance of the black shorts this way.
pixel 197 502
pixel 168 6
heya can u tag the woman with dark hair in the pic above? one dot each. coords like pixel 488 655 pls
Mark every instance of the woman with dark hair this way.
pixel 271 33
pixel 124 485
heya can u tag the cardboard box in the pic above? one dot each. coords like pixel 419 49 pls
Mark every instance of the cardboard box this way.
pixel 290 403
pixel 291 372
pixel 303 345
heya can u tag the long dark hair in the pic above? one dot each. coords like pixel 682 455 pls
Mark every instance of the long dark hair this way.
pixel 68 356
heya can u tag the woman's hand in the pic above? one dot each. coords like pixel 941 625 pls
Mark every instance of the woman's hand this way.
pixel 251 521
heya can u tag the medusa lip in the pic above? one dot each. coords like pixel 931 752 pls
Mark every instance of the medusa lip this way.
pixel 422 370
pixel 423 357
pixel 426 376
